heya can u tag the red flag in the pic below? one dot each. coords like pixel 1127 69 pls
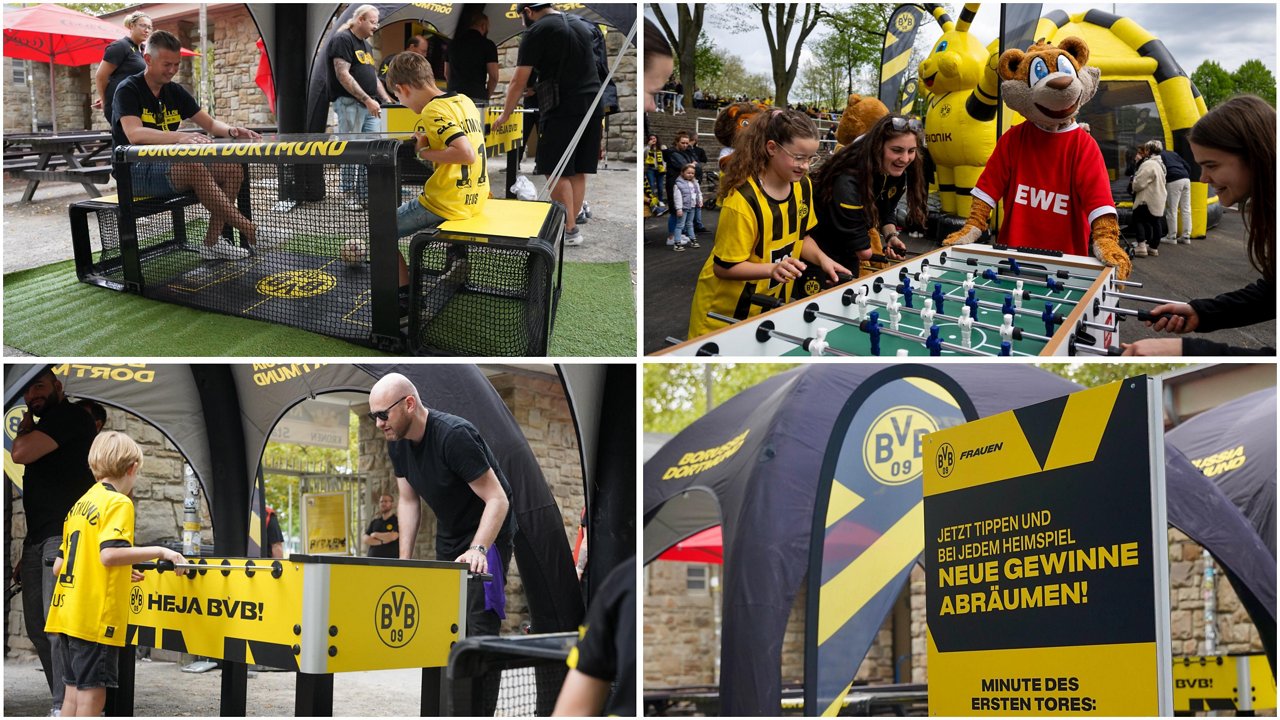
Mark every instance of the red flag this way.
pixel 264 78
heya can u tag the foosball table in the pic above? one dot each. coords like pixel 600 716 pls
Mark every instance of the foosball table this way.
pixel 964 300
pixel 313 615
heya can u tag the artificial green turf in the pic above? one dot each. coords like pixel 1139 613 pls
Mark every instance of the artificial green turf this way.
pixel 48 312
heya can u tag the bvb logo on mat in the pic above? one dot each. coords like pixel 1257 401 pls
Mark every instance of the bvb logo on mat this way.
pixel 891 449
pixel 135 599
pixel 396 616
pixel 297 284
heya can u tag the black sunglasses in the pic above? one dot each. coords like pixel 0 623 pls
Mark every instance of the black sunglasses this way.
pixel 382 415
pixel 902 123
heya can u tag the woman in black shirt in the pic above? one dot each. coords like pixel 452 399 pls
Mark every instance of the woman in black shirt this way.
pixel 121 59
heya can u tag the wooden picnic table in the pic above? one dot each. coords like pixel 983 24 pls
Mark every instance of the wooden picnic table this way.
pixel 69 157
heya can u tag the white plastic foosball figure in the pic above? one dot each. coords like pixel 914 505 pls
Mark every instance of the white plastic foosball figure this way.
pixel 1006 329
pixel 966 327
pixel 926 315
pixel 819 345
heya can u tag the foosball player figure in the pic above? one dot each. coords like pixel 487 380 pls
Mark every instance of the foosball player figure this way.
pixel 90 606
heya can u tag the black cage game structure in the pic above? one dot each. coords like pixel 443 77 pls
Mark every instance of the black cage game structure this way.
pixel 487 286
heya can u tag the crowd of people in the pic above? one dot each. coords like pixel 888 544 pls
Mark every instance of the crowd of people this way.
pixel 779 225
pixel 671 97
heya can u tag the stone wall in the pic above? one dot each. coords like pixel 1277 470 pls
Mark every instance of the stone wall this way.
pixel 681 648
pixel 73 86
pixel 157 500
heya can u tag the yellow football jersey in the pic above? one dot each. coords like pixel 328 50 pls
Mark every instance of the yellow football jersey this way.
pixel 90 600
pixel 454 192
pixel 753 227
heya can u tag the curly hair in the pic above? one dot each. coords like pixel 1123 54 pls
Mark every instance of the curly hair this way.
pixel 751 155
pixel 863 159
pixel 1245 126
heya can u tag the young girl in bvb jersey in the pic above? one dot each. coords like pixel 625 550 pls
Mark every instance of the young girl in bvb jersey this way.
pixel 762 240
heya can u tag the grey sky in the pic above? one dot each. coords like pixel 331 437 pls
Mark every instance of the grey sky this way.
pixel 1193 32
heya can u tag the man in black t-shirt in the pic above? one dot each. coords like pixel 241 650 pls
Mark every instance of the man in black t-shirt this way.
pixel 383 534
pixel 472 69
pixel 441 458
pixel 354 90
pixel 560 48
pixel 417 45
pixel 605 653
pixel 148 109
pixel 55 451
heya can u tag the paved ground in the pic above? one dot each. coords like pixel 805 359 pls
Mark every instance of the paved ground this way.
pixel 163 690
pixel 1202 269
pixel 38 233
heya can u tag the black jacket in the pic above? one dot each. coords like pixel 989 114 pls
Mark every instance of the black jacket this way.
pixel 1251 304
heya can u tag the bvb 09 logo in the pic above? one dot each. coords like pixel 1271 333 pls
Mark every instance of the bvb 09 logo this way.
pixel 891 449
pixel 297 284
pixel 135 599
pixel 946 459
pixel 396 616
pixel 905 22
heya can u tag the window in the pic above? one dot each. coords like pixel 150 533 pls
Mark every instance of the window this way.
pixel 19 72
pixel 696 578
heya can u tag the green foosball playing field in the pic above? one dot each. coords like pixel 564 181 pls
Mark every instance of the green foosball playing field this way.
pixel 985 336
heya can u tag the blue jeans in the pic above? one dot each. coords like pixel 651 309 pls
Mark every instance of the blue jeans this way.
pixel 37 592
pixel 697 217
pixel 354 117
pixel 683 226
pixel 412 217
pixel 655 183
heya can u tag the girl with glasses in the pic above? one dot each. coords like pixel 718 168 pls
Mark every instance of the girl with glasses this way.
pixel 762 240
pixel 859 189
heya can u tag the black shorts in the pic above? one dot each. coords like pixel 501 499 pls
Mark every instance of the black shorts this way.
pixel 554 134
pixel 89 665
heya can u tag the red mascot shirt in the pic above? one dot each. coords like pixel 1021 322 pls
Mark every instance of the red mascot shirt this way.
pixel 1054 185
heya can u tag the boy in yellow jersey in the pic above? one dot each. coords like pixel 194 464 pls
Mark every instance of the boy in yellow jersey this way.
pixel 450 135
pixel 92 573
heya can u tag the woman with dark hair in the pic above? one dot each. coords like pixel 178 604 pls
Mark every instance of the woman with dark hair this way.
pixel 1235 147
pixel 121 59
pixel 858 189
pixel 659 62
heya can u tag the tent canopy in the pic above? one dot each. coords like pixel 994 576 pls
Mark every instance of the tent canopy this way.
pixel 219 416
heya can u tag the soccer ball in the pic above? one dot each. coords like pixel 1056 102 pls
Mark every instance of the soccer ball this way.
pixel 354 251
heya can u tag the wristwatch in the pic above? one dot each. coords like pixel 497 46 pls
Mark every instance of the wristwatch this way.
pixel 481 548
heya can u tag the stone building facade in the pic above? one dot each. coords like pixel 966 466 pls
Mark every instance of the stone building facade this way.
pixel 235 97
pixel 681 646
pixel 537 401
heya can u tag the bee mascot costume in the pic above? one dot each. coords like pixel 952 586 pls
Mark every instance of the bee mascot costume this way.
pixel 1048 171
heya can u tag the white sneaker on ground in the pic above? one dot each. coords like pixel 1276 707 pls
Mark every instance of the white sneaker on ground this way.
pixel 671 240
pixel 1184 241
pixel 222 251
pixel 1153 252
pixel 1140 250
pixel 573 238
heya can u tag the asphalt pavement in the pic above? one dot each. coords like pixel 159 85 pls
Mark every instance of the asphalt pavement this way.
pixel 1205 268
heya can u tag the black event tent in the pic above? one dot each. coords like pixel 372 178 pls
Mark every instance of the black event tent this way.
pixel 219 416
pixel 763 496
pixel 1234 445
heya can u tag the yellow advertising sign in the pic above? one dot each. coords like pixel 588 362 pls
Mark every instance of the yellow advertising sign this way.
pixel 1203 684
pixel 1045 533
pixel 12 419
pixel 324 524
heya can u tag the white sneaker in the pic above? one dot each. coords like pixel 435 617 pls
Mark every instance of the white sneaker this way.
pixel 1140 250
pixel 1153 252
pixel 671 240
pixel 573 238
pixel 353 205
pixel 1184 241
pixel 222 251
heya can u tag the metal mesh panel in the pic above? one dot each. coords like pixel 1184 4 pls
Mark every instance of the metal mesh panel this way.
pixel 478 299
pixel 517 676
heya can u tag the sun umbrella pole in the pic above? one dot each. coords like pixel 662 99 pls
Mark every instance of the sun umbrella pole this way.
pixel 206 97
pixel 31 91
pixel 53 99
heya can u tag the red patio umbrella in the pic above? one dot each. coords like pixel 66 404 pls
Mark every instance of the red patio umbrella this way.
pixel 706 546
pixel 57 35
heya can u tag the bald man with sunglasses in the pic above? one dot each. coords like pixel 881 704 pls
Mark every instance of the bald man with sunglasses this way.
pixel 441 458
